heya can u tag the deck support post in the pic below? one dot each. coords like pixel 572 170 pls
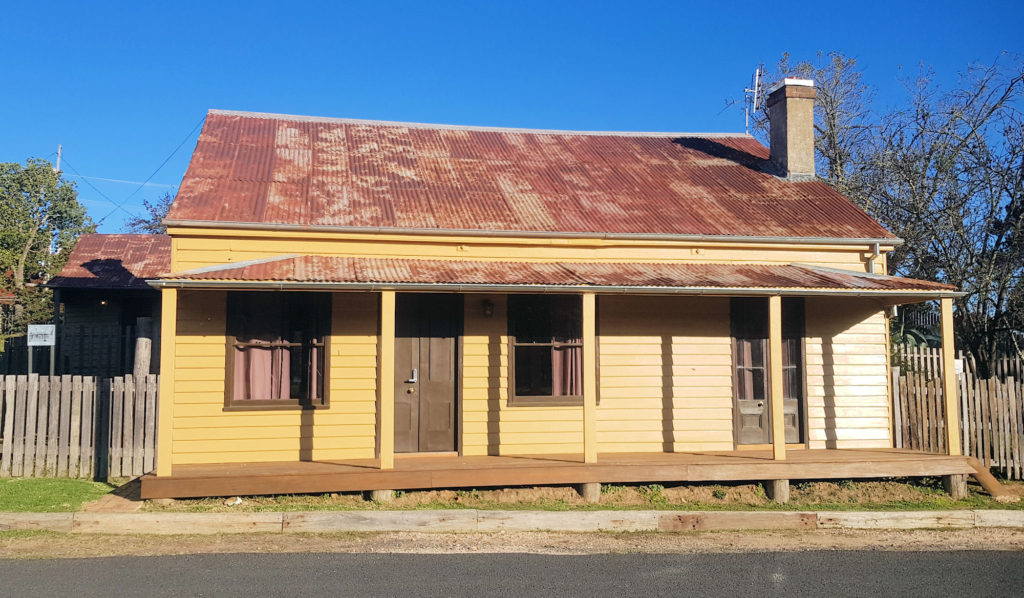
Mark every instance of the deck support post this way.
pixel 165 404
pixel 949 385
pixel 386 382
pixel 777 490
pixel 589 378
pixel 775 398
pixel 955 485
pixel 382 495
pixel 590 491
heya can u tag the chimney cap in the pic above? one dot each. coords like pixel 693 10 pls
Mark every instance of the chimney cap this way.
pixel 788 81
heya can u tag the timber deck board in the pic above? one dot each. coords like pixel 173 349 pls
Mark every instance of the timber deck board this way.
pixel 420 472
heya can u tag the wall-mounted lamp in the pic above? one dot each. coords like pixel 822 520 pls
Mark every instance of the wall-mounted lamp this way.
pixel 103 301
pixel 488 307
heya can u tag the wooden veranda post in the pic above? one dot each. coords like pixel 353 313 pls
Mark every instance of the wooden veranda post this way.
pixel 386 382
pixel 589 378
pixel 165 411
pixel 949 385
pixel 775 398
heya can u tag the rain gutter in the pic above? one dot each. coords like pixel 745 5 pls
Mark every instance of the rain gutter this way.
pixel 380 230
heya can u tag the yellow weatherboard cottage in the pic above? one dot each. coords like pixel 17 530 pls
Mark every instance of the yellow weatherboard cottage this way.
pixel 356 305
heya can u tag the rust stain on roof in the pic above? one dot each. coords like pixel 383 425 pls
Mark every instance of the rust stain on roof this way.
pixel 358 270
pixel 115 262
pixel 274 169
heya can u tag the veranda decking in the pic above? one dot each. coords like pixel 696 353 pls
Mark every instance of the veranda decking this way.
pixel 449 471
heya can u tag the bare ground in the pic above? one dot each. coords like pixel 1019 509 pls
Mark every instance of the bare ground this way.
pixel 52 545
pixel 865 494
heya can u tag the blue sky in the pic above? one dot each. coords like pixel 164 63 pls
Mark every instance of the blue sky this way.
pixel 121 85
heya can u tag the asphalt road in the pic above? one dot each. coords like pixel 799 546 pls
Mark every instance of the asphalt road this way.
pixel 829 574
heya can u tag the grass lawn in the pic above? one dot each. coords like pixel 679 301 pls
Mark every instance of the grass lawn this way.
pixel 48 495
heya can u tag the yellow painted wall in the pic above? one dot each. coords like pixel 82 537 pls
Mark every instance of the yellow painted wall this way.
pixel 204 433
pixel 847 374
pixel 487 420
pixel 666 374
pixel 649 403
pixel 196 248
pixel 665 362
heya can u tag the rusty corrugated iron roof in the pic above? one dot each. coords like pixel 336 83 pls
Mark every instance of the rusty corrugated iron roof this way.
pixel 115 262
pixel 288 170
pixel 334 270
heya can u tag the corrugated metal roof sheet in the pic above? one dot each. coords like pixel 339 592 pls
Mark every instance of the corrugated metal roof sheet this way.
pixel 275 169
pixel 358 270
pixel 115 262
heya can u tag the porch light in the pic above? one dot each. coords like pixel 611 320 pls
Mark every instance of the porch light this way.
pixel 488 307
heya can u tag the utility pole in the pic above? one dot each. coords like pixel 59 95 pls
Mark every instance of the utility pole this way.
pixel 57 168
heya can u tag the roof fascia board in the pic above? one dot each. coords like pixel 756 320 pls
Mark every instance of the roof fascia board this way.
pixel 260 226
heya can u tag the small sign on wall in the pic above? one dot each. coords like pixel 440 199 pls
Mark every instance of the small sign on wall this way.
pixel 958 366
pixel 42 335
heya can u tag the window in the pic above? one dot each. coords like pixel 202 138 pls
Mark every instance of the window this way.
pixel 750 358
pixel 750 331
pixel 276 350
pixel 546 349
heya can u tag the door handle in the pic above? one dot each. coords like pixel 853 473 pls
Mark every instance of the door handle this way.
pixel 414 379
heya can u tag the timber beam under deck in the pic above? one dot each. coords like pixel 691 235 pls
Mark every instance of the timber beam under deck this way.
pixel 425 472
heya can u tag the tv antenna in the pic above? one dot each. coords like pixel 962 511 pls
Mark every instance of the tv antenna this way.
pixel 753 96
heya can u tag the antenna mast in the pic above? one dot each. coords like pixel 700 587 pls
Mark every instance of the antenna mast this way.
pixel 753 96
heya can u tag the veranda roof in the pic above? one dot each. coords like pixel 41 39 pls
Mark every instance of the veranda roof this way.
pixel 315 272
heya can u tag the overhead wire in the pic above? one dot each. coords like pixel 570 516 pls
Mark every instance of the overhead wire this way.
pixel 116 205
pixel 119 206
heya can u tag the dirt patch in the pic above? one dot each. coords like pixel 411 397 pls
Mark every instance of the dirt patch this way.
pixel 901 494
pixel 78 546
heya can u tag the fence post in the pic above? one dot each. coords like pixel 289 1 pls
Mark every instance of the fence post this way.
pixel 101 446
pixel 897 417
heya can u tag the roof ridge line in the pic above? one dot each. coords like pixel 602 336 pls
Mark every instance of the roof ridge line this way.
pixel 388 123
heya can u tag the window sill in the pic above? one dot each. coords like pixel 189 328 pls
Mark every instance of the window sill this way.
pixel 276 406
pixel 545 402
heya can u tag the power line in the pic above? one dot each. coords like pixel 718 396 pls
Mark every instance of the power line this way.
pixel 150 177
pixel 116 205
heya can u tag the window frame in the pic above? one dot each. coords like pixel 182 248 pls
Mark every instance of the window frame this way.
pixel 290 404
pixel 515 400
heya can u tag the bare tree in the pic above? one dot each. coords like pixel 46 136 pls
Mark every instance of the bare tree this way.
pixel 153 222
pixel 947 175
pixel 843 120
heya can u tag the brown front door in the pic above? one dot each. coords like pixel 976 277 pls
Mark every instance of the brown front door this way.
pixel 426 329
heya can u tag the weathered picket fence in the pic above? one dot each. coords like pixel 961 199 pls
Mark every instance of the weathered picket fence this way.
pixel 77 426
pixel 928 360
pixel 991 418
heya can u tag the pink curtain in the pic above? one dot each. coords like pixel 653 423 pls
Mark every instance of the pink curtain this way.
pixel 567 370
pixel 262 373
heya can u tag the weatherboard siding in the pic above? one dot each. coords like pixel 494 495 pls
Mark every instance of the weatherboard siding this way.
pixel 204 433
pixel 847 374
pixel 202 249
pixel 665 374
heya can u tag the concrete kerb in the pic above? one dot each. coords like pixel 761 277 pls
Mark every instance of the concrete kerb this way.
pixel 493 521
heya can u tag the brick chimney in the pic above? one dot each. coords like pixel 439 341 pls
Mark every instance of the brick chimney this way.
pixel 791 139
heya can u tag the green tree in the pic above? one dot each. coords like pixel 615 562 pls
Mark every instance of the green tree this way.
pixel 40 221
pixel 153 222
